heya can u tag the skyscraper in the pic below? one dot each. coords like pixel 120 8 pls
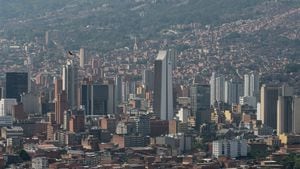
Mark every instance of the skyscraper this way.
pixel 118 89
pixel 148 79
pixel 233 91
pixel 57 87
pixel 285 110
pixel 251 85
pixel 60 107
pixel 284 114
pixel 220 88
pixel 296 114
pixel 246 85
pixel 200 103
pixel 212 83
pixel 217 88
pixel 70 83
pixel 163 87
pixel 16 84
pixel 81 58
pixel 268 106
pixel 97 99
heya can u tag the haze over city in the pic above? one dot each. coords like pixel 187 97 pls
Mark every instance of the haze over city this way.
pixel 134 84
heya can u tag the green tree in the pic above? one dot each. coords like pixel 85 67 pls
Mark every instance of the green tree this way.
pixel 24 155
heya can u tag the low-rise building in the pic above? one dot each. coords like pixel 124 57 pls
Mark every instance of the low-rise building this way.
pixel 230 148
pixel 39 163
pixel 7 132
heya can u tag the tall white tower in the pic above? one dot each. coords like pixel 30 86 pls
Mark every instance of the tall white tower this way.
pixel 212 83
pixel 81 58
pixel 70 83
pixel 251 85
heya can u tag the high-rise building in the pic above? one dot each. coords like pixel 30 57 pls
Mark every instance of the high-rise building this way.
pixel 76 123
pixel 233 91
pixel 31 103
pixel 70 83
pixel 286 90
pixel 60 107
pixel 268 105
pixel 172 54
pixel 142 123
pixel 118 89
pixel 97 99
pixel 57 87
pixel 16 84
pixel 46 38
pixel 217 88
pixel 212 83
pixel 251 85
pixel 246 85
pixel 296 114
pixel 163 87
pixel 111 102
pixel 148 79
pixel 200 103
pixel 6 106
pixel 67 117
pixel 220 88
pixel 125 91
pixel 284 114
pixel 81 58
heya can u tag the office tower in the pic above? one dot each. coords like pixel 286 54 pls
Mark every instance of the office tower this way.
pixel 227 92
pixel 57 87
pixel 132 87
pixel 236 91
pixel 254 84
pixel 148 79
pixel 212 83
pixel 200 103
pixel 286 90
pixel 163 87
pixel 285 109
pixel 246 85
pixel 268 105
pixel 60 107
pixel 233 91
pixel 118 89
pixel 284 114
pixel 125 91
pixel 70 83
pixel 97 99
pixel 220 88
pixel 251 85
pixel 296 115
pixel 16 84
pixel 81 58
pixel 172 54
pixel 111 103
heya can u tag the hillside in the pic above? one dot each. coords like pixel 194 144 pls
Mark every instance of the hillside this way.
pixel 107 24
